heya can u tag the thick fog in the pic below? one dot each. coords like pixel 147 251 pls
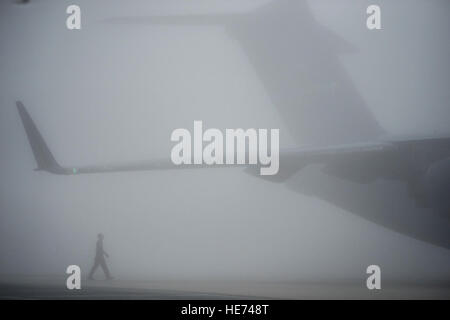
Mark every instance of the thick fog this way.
pixel 116 89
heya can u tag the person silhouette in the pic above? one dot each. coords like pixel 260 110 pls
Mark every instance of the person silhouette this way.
pixel 100 258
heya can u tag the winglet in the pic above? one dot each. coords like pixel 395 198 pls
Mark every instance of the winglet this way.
pixel 42 155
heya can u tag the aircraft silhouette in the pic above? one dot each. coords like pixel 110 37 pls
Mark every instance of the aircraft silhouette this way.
pixel 362 170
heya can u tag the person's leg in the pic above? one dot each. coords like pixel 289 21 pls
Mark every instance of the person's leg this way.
pixel 105 268
pixel 94 267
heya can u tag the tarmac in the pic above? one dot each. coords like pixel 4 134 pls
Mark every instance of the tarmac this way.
pixel 54 287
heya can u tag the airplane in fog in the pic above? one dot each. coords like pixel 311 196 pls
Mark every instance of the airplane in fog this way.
pixel 423 164
pixel 297 60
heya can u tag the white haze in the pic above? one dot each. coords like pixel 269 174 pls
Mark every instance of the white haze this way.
pixel 112 92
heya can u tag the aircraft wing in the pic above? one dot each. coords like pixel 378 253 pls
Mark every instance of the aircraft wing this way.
pixel 46 162
pixel 402 159
pixel 377 153
pixel 291 159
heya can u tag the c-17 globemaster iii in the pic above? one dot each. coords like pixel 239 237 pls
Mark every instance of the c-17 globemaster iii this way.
pixel 298 63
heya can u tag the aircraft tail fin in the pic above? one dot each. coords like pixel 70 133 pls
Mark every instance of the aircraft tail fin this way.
pixel 42 154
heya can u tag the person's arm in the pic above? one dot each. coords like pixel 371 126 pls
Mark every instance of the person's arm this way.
pixel 100 248
pixel 104 252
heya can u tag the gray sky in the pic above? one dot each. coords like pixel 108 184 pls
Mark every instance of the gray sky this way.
pixel 114 92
